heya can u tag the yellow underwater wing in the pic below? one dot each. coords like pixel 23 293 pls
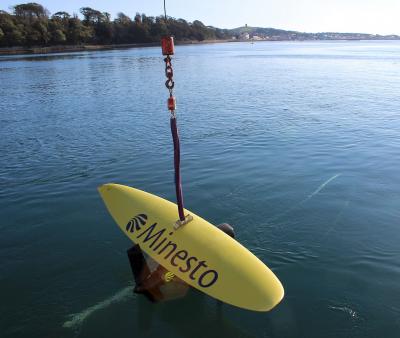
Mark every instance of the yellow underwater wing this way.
pixel 198 252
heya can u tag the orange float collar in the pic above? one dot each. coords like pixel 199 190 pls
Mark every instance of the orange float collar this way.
pixel 167 45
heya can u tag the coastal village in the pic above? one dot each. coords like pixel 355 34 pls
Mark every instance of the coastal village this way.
pixel 247 33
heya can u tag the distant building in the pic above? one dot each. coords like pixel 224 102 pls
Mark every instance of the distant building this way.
pixel 244 36
pixel 257 38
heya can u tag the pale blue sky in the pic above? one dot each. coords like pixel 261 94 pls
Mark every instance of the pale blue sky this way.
pixel 367 16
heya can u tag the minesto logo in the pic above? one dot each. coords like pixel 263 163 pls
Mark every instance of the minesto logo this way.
pixel 169 276
pixel 158 240
pixel 136 222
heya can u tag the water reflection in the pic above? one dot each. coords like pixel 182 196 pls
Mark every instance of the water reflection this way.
pixel 43 57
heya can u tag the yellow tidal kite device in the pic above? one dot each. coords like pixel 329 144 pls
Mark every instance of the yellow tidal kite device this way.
pixel 199 253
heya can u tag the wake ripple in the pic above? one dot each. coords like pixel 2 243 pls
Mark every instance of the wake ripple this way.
pixel 77 319
pixel 345 309
pixel 315 192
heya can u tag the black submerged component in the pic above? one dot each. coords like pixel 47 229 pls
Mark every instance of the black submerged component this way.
pixel 156 285
pixel 139 269
pixel 227 228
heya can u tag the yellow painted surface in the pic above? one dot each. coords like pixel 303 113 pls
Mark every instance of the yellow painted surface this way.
pixel 236 276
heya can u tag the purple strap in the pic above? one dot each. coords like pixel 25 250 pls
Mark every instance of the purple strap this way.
pixel 177 160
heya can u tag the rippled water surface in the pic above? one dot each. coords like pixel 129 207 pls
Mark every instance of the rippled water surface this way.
pixel 295 144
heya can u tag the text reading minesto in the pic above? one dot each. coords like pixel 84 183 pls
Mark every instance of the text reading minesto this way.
pixel 159 242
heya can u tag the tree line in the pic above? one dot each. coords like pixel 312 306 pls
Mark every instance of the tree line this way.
pixel 31 24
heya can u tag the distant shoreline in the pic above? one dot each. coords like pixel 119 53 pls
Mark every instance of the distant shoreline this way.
pixel 88 48
pixel 85 48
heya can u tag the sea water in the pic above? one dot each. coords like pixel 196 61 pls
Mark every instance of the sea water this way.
pixel 296 144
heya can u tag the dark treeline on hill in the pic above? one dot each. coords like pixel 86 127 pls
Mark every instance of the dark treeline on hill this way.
pixel 30 24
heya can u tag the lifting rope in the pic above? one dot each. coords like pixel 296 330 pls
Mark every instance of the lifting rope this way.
pixel 167 45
